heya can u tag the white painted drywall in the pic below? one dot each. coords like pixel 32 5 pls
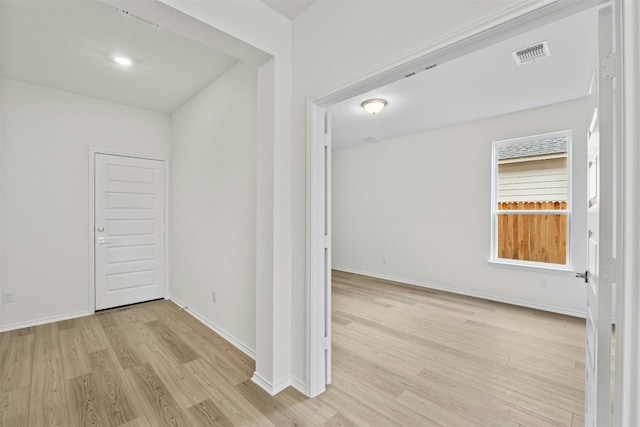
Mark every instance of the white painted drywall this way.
pixel 253 22
pixel 417 208
pixel 336 43
pixel 213 205
pixel 46 135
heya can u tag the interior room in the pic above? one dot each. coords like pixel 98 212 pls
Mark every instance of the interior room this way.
pixel 162 261
pixel 412 203
pixel 411 185
pixel 180 102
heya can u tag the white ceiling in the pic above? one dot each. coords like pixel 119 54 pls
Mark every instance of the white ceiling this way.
pixel 483 84
pixel 289 8
pixel 69 45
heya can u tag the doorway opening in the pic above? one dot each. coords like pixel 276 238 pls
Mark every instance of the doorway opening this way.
pixel 324 124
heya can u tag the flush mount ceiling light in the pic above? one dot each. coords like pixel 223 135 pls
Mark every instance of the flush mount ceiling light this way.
pixel 125 62
pixel 374 106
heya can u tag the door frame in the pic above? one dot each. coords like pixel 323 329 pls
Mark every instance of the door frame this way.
pixel 92 218
pixel 481 34
pixel 627 358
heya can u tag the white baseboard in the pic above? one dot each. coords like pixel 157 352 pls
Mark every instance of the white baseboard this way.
pixel 215 328
pixel 299 385
pixel 44 320
pixel 272 389
pixel 465 292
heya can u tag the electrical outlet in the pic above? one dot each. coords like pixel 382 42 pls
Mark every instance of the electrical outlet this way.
pixel 213 296
pixel 543 283
pixel 8 297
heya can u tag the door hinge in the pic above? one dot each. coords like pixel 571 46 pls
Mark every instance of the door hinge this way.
pixel 326 140
pixel 327 241
pixel 608 66
pixel 327 343
pixel 609 271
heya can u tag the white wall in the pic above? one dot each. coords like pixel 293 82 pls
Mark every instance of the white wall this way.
pixel 422 203
pixel 213 209
pixel 46 135
pixel 253 22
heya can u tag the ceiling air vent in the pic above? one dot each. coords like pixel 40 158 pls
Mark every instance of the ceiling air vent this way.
pixel 146 22
pixel 531 53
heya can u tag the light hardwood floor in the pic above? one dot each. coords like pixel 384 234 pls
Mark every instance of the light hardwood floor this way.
pixel 402 356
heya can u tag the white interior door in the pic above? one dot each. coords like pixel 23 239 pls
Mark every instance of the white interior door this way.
pixel 327 249
pixel 129 230
pixel 319 252
pixel 602 263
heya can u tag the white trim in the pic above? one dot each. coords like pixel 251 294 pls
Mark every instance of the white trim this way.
pixel 298 385
pixel 215 328
pixel 465 292
pixel 92 218
pixel 44 320
pixel 272 389
pixel 91 280
pixel 315 371
pixel 167 227
pixel 532 266
pixel 627 372
pixel 325 341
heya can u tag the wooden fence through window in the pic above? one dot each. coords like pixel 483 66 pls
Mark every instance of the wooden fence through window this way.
pixel 533 237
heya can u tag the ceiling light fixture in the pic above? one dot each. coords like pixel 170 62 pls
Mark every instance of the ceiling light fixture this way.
pixel 122 60
pixel 374 106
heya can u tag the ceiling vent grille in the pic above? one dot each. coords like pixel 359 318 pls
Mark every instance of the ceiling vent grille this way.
pixel 531 53
pixel 146 22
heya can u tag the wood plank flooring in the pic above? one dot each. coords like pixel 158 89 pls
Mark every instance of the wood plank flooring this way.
pixel 402 356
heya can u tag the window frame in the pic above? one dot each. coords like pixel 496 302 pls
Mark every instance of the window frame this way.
pixel 523 264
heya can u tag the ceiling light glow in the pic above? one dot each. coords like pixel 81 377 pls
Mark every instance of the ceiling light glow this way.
pixel 122 60
pixel 374 106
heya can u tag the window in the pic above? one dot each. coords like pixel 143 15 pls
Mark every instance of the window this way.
pixel 531 200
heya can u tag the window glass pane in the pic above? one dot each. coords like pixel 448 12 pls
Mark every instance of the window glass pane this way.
pixel 532 237
pixel 532 174
pixel 532 171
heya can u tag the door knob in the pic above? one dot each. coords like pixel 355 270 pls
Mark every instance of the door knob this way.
pixel 584 276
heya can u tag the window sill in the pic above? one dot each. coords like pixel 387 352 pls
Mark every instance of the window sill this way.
pixel 564 270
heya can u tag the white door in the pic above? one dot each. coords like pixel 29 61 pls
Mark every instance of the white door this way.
pixel 129 230
pixel 602 264
pixel 319 255
pixel 327 249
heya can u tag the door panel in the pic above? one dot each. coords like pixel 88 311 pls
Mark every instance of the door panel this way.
pixel 327 250
pixel 602 228
pixel 129 234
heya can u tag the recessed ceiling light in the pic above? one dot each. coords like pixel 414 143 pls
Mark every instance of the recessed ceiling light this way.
pixel 374 106
pixel 122 60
